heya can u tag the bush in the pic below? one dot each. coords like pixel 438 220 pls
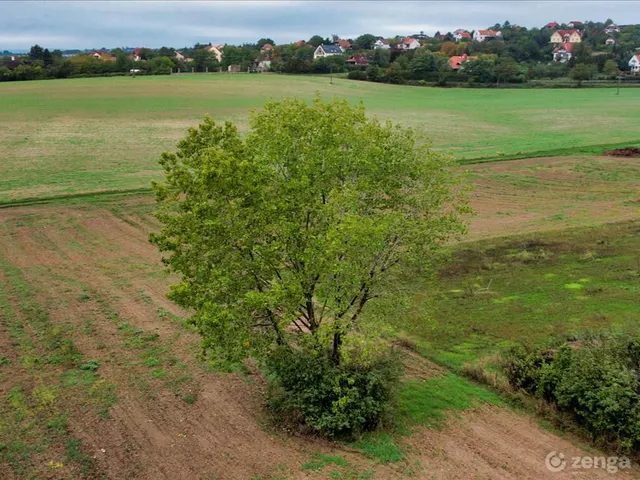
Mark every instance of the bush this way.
pixel 333 400
pixel 522 368
pixel 595 381
pixel 357 75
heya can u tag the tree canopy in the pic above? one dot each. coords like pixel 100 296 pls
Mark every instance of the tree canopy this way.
pixel 284 236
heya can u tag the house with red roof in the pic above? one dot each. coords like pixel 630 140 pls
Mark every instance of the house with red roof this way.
pixel 135 55
pixel 300 43
pixel 552 25
pixel 410 44
pixel 634 64
pixel 457 61
pixel 482 35
pixel 563 53
pixel 267 47
pixel 460 35
pixel 344 44
pixel 566 36
pixel 360 60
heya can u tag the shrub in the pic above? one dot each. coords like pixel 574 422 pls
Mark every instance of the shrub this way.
pixel 357 75
pixel 522 368
pixel 595 381
pixel 333 400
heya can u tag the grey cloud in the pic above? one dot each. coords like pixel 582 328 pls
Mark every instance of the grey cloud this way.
pixel 91 24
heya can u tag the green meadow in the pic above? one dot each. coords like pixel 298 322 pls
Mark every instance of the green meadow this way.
pixel 105 134
pixel 534 289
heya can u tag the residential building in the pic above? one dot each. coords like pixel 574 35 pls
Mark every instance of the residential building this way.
pixel 634 64
pixel 344 44
pixel 563 53
pixel 456 61
pixel 460 35
pixel 566 36
pixel 410 44
pixel 263 65
pixel 575 24
pixel 267 47
pixel 135 55
pixel 327 51
pixel 482 35
pixel 216 50
pixel 300 43
pixel 103 56
pixel 382 43
pixel 610 41
pixel 611 29
pixel 179 55
pixel 360 60
pixel 552 25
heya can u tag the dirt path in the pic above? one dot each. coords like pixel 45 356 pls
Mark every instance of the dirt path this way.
pixel 493 443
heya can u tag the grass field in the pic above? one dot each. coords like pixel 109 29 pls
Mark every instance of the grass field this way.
pixel 99 375
pixel 85 135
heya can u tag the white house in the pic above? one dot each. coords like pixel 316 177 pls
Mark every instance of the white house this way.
pixel 327 51
pixel 611 29
pixel 482 35
pixel 382 44
pixel 634 64
pixel 563 53
pixel 263 65
pixel 461 35
pixel 410 44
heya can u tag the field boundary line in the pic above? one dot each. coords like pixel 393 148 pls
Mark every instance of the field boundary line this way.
pixel 557 152
pixel 62 198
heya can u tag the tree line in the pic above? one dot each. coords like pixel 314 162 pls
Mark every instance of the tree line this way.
pixel 521 55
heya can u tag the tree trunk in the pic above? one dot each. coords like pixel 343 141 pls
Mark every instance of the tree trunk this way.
pixel 335 351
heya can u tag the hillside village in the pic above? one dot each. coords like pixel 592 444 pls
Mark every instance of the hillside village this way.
pixel 500 53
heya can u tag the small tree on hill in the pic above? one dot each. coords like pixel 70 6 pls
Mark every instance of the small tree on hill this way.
pixel 283 238
pixel 580 73
pixel 610 69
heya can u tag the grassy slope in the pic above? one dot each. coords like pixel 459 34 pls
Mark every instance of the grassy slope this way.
pixel 533 288
pixel 83 135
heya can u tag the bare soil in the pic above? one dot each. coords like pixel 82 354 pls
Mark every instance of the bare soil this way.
pixel 494 443
pixel 625 152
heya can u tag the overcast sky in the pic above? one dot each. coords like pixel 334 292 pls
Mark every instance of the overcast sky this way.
pixel 96 24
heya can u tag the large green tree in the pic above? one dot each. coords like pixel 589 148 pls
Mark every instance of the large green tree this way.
pixel 283 236
pixel 365 42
